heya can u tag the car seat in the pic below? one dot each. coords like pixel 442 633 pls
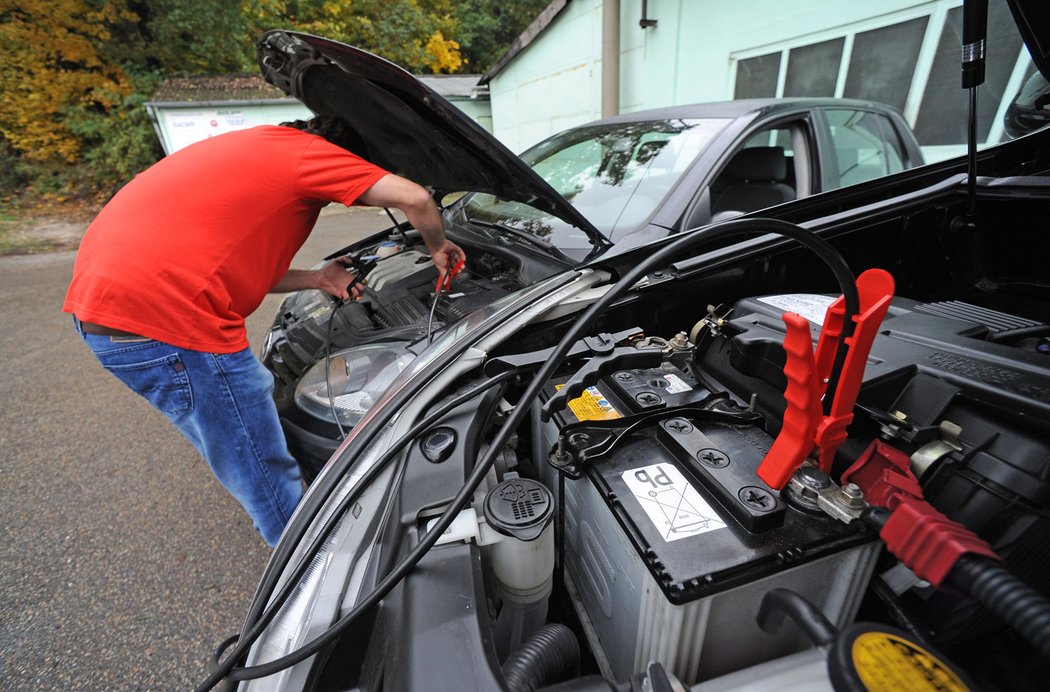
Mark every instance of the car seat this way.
pixel 755 181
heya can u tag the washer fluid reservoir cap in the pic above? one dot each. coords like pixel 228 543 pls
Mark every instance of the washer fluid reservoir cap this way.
pixel 520 508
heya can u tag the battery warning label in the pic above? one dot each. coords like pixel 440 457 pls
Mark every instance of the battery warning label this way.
pixel 673 505
pixel 591 405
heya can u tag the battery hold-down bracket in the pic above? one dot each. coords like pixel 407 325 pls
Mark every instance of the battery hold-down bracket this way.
pixel 724 467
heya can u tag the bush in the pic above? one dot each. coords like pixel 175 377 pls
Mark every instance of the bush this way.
pixel 15 174
pixel 117 144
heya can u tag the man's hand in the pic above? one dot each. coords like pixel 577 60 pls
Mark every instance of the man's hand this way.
pixel 447 256
pixel 332 278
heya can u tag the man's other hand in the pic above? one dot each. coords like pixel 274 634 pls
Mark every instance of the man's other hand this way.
pixel 335 280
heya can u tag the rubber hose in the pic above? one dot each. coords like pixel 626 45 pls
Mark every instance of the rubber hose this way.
pixel 549 656
pixel 1018 605
pixel 780 602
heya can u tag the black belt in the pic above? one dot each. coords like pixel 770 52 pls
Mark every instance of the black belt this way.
pixel 102 330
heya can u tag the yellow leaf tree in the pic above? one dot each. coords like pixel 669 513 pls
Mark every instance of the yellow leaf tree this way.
pixel 410 33
pixel 50 64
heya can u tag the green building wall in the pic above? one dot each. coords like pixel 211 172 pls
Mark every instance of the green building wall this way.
pixel 693 53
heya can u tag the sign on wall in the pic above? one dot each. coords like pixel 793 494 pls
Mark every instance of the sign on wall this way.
pixel 185 127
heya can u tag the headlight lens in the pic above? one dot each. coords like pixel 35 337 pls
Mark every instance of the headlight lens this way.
pixel 358 376
pixel 315 600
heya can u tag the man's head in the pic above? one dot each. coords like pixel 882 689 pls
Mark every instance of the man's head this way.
pixel 336 130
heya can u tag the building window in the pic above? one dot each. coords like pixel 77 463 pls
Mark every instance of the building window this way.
pixel 813 70
pixel 938 121
pixel 882 62
pixel 757 77
pixel 898 64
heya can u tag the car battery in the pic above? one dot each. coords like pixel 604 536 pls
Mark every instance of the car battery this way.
pixel 671 540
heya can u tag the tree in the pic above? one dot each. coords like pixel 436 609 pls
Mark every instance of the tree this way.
pixel 75 73
pixel 51 64
pixel 486 28
pixel 411 33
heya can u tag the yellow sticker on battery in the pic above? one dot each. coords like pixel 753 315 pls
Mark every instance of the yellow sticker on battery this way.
pixel 591 405
pixel 884 661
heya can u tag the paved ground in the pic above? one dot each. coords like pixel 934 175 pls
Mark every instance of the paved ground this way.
pixel 122 561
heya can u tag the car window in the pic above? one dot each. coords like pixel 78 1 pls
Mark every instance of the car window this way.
pixel 762 172
pixel 615 175
pixel 865 147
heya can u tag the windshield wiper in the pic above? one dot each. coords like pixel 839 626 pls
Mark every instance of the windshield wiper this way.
pixel 529 238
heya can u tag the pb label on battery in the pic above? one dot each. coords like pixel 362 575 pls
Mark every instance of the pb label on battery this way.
pixel 673 505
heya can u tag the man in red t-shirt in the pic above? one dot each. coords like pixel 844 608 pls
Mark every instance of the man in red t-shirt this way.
pixel 175 262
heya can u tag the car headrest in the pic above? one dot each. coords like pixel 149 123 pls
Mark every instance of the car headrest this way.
pixel 759 164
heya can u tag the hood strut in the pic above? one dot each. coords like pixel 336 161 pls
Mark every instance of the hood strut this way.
pixel 975 30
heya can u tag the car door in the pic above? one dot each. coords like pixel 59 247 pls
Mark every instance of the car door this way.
pixel 773 162
pixel 861 145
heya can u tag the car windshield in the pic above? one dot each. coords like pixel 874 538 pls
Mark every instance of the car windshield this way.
pixel 614 174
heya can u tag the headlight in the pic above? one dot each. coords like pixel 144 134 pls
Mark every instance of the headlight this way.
pixel 315 600
pixel 358 376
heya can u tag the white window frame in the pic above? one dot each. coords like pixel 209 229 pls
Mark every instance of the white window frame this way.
pixel 937 13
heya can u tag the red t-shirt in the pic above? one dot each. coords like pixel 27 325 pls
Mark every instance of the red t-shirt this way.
pixel 190 247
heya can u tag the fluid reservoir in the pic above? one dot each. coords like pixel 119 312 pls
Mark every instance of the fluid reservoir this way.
pixel 523 563
pixel 522 509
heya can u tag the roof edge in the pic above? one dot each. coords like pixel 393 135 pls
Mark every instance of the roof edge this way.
pixel 222 102
pixel 532 31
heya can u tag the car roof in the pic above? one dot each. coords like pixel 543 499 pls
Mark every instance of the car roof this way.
pixel 743 107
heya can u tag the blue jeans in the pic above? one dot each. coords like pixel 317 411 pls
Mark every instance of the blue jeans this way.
pixel 222 402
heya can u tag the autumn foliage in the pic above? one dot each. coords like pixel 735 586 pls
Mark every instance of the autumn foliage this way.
pixel 75 73
pixel 52 64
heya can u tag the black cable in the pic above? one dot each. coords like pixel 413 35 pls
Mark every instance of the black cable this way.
pixel 575 332
pixel 1016 603
pixel 328 367
pixel 437 296
pixel 781 602
pixel 430 320
pixel 279 599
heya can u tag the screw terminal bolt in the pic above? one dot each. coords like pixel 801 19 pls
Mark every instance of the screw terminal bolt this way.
pixel 648 399
pixel 679 425
pixel 852 495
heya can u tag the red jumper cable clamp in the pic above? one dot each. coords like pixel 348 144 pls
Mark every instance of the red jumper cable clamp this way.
pixel 925 540
pixel 806 426
pixel 445 280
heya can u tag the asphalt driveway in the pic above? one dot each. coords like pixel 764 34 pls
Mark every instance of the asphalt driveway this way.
pixel 123 563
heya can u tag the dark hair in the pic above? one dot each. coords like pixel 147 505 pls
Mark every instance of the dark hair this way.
pixel 335 129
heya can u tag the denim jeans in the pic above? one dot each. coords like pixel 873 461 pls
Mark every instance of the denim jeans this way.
pixel 222 403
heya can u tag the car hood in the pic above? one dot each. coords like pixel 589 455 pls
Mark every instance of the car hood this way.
pixel 408 128
pixel 1033 21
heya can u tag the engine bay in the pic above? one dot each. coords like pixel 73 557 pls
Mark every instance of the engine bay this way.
pixel 671 538
pixel 396 303
pixel 623 527
pixel 670 544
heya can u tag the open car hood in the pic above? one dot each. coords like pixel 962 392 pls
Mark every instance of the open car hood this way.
pixel 1033 21
pixel 409 129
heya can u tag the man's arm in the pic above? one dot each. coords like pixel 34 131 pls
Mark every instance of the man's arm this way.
pixel 418 206
pixel 332 278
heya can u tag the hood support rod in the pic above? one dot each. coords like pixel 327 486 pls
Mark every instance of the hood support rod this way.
pixel 975 31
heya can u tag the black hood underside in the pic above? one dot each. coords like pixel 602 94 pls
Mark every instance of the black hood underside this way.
pixel 407 128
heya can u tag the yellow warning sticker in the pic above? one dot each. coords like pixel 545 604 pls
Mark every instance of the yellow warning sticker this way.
pixel 591 405
pixel 885 661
